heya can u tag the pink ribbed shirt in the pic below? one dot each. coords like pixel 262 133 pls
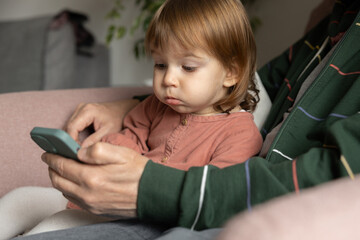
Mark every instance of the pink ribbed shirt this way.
pixel 186 140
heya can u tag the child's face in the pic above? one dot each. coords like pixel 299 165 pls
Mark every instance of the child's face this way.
pixel 189 82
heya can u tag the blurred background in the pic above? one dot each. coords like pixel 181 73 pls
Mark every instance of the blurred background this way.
pixel 282 23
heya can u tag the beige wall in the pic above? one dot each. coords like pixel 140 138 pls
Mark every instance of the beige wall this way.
pixel 283 22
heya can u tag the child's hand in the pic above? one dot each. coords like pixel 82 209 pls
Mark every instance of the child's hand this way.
pixel 105 117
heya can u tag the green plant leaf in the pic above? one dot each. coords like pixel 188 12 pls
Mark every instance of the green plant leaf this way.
pixel 109 38
pixel 146 22
pixel 120 32
pixel 153 7
pixel 113 14
pixel 136 24
pixel 139 48
pixel 110 34
pixel 119 5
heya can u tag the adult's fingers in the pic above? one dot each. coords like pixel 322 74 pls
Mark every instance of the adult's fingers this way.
pixel 102 153
pixel 67 187
pixel 66 168
pixel 106 183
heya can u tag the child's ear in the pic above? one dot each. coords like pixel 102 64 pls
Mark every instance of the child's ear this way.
pixel 231 78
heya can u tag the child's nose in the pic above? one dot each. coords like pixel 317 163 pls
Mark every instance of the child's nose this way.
pixel 170 79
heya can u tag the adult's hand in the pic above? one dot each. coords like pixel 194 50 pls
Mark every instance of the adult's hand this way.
pixel 107 184
pixel 105 117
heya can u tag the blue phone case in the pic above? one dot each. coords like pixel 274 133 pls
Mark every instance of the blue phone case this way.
pixel 55 141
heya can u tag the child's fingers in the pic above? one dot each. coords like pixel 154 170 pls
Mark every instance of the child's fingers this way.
pixel 95 137
pixel 82 118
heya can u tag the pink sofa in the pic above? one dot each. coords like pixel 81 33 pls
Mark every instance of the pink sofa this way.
pixel 329 211
pixel 20 112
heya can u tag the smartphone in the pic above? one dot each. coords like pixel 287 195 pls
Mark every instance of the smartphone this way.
pixel 55 141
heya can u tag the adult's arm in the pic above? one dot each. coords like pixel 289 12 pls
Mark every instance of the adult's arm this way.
pixel 206 197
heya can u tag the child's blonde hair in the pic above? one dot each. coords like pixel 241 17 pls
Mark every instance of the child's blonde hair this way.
pixel 219 27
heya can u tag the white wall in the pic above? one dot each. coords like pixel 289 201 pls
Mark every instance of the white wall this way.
pixel 95 9
pixel 125 69
pixel 283 22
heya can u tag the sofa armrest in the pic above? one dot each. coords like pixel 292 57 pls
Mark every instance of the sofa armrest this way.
pixel 328 211
pixel 20 112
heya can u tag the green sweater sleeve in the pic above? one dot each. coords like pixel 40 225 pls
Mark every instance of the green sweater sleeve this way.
pixel 173 197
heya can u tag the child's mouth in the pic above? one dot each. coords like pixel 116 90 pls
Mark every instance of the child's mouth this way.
pixel 172 101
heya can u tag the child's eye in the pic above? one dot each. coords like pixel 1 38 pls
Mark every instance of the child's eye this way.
pixel 189 69
pixel 160 66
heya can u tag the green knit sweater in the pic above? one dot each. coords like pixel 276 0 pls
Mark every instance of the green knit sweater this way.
pixel 321 127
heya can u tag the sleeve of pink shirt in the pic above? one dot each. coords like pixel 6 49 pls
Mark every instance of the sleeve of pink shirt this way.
pixel 136 126
pixel 238 147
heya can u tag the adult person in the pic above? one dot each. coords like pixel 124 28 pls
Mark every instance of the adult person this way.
pixel 312 137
